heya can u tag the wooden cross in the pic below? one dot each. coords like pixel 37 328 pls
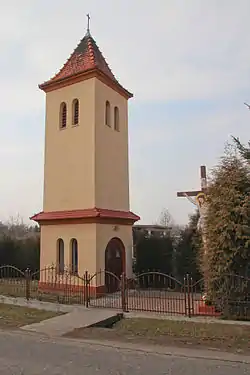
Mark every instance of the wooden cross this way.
pixel 203 189
pixel 199 204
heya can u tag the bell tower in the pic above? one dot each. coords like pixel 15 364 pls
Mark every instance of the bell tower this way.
pixel 86 178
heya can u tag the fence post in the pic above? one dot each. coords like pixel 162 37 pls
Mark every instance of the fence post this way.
pixel 189 281
pixel 86 289
pixel 185 293
pixel 123 292
pixel 27 283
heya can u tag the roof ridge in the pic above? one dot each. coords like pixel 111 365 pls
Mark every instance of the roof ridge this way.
pixel 66 62
pixel 91 49
pixel 101 55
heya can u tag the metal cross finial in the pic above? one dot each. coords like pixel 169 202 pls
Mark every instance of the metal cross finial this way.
pixel 88 17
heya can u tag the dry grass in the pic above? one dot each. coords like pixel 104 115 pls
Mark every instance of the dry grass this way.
pixel 173 333
pixel 16 316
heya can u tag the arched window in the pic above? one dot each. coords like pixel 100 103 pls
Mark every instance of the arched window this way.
pixel 116 119
pixel 107 114
pixel 75 112
pixel 63 115
pixel 74 256
pixel 60 255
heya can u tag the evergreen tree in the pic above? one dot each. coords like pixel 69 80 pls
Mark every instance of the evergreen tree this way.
pixel 19 246
pixel 243 150
pixel 188 249
pixel 154 254
pixel 228 229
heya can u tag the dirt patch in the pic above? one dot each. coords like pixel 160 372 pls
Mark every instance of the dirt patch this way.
pixel 16 316
pixel 233 338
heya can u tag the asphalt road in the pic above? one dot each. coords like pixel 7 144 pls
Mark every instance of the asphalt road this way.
pixel 26 354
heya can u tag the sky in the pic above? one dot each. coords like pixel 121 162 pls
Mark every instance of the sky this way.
pixel 187 63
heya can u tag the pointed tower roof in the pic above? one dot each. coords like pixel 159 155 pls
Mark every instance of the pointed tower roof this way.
pixel 85 62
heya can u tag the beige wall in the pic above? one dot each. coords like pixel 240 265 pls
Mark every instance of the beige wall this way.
pixel 111 162
pixel 69 152
pixel 86 165
pixel 85 234
pixel 92 241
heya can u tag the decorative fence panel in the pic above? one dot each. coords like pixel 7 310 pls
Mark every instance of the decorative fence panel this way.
pixel 52 286
pixel 13 282
pixel 157 292
pixel 105 289
pixel 227 296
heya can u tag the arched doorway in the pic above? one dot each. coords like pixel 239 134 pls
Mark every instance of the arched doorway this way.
pixel 114 264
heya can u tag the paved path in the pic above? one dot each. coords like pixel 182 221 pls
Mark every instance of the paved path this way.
pixel 29 354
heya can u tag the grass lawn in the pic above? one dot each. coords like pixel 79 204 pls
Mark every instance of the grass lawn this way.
pixel 16 316
pixel 235 338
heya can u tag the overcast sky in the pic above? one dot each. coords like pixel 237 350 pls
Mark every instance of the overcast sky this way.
pixel 187 63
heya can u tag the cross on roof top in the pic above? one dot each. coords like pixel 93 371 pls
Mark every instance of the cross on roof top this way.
pixel 88 17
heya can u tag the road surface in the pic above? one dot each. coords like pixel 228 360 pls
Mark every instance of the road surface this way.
pixel 29 354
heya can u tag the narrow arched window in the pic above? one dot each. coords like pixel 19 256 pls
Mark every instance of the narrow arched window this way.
pixel 75 112
pixel 107 114
pixel 63 115
pixel 74 256
pixel 60 255
pixel 116 119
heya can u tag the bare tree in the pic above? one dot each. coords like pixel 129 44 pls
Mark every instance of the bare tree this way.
pixel 165 218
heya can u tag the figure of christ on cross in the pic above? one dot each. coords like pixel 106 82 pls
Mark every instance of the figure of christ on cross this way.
pixel 200 198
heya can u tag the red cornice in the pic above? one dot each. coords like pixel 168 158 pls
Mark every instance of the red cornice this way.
pixel 86 215
pixel 91 73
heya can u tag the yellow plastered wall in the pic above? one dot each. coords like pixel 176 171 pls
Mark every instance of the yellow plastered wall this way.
pixel 85 234
pixel 69 177
pixel 111 161
pixel 92 242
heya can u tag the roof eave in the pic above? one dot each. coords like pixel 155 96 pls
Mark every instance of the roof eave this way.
pixel 85 215
pixel 52 85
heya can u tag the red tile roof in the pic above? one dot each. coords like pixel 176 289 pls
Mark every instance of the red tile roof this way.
pixel 84 214
pixel 86 58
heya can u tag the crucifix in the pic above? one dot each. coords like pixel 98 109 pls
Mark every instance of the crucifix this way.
pixel 200 201
pixel 200 197
pixel 88 17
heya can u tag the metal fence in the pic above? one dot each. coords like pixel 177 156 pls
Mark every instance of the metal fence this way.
pixel 227 296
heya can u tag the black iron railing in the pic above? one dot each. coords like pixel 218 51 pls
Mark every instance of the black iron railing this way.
pixel 227 296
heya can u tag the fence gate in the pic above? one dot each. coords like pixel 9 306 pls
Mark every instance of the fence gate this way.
pixel 105 289
pixel 158 292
